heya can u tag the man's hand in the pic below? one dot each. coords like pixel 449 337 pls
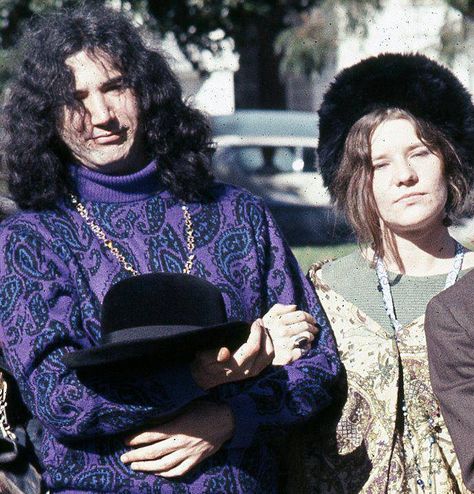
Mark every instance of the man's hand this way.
pixel 213 367
pixel 174 448
pixel 292 332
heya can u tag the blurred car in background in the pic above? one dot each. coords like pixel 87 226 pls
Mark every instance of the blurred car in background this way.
pixel 273 154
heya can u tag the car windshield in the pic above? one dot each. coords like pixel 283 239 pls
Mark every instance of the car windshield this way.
pixel 267 159
pixel 266 141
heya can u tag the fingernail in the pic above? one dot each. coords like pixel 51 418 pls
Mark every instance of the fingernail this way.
pixel 124 458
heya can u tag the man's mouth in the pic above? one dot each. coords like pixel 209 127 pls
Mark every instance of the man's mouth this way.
pixel 109 137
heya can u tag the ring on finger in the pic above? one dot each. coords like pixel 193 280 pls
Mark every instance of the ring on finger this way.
pixel 301 342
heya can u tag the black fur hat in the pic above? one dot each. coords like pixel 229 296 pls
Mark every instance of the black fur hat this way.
pixel 409 82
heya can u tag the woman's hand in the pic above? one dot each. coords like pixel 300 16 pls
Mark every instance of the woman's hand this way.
pixel 292 332
pixel 174 448
pixel 213 367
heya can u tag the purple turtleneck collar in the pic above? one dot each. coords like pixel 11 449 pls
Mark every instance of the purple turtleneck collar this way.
pixel 92 185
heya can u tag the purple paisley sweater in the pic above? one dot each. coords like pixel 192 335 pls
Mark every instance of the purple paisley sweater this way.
pixel 54 274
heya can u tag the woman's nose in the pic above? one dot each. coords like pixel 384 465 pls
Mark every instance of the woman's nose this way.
pixel 405 173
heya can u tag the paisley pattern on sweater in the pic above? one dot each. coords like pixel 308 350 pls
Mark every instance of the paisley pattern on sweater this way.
pixel 54 274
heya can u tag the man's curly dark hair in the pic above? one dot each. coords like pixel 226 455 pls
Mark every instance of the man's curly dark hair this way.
pixel 177 136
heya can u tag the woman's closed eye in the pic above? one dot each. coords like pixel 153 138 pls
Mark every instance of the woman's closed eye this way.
pixel 421 153
pixel 381 164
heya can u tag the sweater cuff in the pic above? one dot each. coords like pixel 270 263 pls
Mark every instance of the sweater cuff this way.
pixel 245 423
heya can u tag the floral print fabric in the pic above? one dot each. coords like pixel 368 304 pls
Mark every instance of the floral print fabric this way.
pixel 360 446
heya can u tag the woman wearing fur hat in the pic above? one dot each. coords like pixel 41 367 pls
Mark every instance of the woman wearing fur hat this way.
pixel 396 149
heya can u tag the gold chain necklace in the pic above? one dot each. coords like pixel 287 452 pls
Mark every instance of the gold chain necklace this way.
pixel 5 429
pixel 101 235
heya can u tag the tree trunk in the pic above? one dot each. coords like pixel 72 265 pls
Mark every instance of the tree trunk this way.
pixel 257 82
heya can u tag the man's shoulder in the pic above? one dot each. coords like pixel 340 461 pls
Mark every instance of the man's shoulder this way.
pixel 223 192
pixel 28 221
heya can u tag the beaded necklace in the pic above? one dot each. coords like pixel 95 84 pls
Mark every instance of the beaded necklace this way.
pixel 397 328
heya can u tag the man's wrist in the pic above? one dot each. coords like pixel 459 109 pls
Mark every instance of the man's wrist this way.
pixel 228 420
pixel 202 377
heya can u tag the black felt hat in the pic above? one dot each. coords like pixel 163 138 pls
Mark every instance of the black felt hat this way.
pixel 409 82
pixel 164 316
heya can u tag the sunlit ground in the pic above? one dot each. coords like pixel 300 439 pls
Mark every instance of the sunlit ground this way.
pixel 307 255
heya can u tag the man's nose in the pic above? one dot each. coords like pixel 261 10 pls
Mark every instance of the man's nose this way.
pixel 99 110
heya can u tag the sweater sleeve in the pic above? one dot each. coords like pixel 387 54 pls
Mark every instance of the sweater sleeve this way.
pixel 451 359
pixel 286 395
pixel 40 321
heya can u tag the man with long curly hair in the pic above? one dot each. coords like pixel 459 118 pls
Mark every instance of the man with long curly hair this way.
pixel 111 171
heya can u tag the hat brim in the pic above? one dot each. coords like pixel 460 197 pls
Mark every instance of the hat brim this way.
pixel 164 345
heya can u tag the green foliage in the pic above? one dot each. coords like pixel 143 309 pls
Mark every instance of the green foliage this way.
pixel 451 39
pixel 466 7
pixel 194 22
pixel 208 24
pixel 357 12
pixel 455 35
pixel 199 25
pixel 307 48
pixel 13 13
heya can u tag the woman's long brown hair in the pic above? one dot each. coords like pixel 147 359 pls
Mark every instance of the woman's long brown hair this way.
pixel 353 192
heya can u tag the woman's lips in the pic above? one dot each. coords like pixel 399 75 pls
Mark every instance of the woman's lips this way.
pixel 413 197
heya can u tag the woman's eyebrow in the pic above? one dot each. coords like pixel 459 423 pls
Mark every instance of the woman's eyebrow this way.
pixel 415 145
pixel 382 156
pixel 409 148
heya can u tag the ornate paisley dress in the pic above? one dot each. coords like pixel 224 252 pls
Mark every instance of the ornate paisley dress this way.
pixel 360 445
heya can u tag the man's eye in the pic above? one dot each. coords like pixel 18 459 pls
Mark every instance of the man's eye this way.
pixel 79 96
pixel 115 86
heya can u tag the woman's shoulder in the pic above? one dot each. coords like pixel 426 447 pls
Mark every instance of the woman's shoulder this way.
pixel 335 270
